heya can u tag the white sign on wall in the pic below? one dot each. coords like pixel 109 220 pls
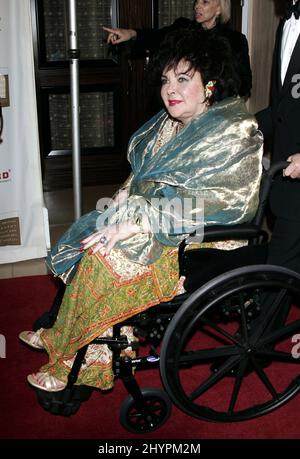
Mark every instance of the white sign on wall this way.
pixel 22 223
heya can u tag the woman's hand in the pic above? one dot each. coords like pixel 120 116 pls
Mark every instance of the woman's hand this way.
pixel 116 36
pixel 293 169
pixel 109 236
pixel 116 201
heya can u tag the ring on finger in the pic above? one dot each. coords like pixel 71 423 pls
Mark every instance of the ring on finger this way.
pixel 103 240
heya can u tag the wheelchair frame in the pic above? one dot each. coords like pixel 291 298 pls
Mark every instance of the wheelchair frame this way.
pixel 255 299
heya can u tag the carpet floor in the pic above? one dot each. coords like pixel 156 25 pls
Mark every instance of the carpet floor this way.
pixel 22 301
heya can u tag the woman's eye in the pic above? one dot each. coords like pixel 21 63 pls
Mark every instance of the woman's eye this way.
pixel 163 81
pixel 182 79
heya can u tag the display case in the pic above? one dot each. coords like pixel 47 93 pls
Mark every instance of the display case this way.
pixel 169 10
pixel 115 99
pixel 103 86
pixel 53 28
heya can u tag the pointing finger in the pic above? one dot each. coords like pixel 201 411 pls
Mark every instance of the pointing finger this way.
pixel 109 30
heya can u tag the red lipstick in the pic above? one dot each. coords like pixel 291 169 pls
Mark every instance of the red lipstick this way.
pixel 174 102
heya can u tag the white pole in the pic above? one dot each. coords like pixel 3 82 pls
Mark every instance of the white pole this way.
pixel 245 17
pixel 74 82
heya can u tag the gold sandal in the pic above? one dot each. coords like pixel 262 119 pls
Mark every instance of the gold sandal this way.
pixel 32 338
pixel 46 382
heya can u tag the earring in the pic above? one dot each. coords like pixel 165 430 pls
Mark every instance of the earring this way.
pixel 209 89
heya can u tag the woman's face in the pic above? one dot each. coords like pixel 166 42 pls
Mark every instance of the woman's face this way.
pixel 183 93
pixel 206 12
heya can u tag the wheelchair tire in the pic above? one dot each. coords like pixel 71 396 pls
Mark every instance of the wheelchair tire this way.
pixel 249 350
pixel 136 420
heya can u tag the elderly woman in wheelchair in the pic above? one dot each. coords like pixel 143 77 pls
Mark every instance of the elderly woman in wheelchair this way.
pixel 202 151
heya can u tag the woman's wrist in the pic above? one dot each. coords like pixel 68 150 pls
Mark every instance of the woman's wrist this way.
pixel 133 34
pixel 120 196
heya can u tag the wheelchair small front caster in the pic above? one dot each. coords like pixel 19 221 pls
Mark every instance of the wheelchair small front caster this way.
pixel 137 420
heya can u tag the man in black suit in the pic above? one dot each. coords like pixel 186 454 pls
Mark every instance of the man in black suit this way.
pixel 281 123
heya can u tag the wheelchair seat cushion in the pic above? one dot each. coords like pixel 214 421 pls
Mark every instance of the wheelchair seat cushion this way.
pixel 202 265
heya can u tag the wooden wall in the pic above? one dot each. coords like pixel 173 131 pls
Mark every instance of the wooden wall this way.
pixel 264 16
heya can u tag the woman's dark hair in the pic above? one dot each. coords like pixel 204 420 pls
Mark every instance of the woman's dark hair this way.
pixel 209 55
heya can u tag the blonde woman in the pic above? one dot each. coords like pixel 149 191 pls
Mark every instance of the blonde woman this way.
pixel 210 15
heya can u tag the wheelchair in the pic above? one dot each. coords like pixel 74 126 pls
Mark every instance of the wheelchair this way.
pixel 236 322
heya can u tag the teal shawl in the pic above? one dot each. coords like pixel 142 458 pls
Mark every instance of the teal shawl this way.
pixel 213 164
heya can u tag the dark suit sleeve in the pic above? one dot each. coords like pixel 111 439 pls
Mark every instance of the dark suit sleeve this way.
pixel 265 123
pixel 265 117
pixel 240 50
pixel 244 68
pixel 149 39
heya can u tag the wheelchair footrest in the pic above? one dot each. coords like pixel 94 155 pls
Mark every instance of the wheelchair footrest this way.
pixel 65 402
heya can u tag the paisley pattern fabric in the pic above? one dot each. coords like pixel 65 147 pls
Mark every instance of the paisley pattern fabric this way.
pixel 99 296
pixel 105 291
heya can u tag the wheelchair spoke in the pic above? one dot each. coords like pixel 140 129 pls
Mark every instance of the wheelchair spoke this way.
pixel 278 355
pixel 220 330
pixel 214 378
pixel 243 318
pixel 264 378
pixel 138 417
pixel 269 314
pixel 238 325
pixel 280 318
pixel 241 370
pixel 207 354
pixel 281 333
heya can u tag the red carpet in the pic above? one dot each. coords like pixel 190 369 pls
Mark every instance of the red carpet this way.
pixel 22 301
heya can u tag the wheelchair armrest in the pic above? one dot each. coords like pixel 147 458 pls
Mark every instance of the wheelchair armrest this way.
pixel 238 232
pixel 248 231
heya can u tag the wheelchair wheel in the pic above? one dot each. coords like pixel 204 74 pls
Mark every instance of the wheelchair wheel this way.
pixel 137 420
pixel 242 323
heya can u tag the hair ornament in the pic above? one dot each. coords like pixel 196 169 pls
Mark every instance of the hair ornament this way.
pixel 210 88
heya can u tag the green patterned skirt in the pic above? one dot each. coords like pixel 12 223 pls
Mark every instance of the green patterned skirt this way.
pixel 105 291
